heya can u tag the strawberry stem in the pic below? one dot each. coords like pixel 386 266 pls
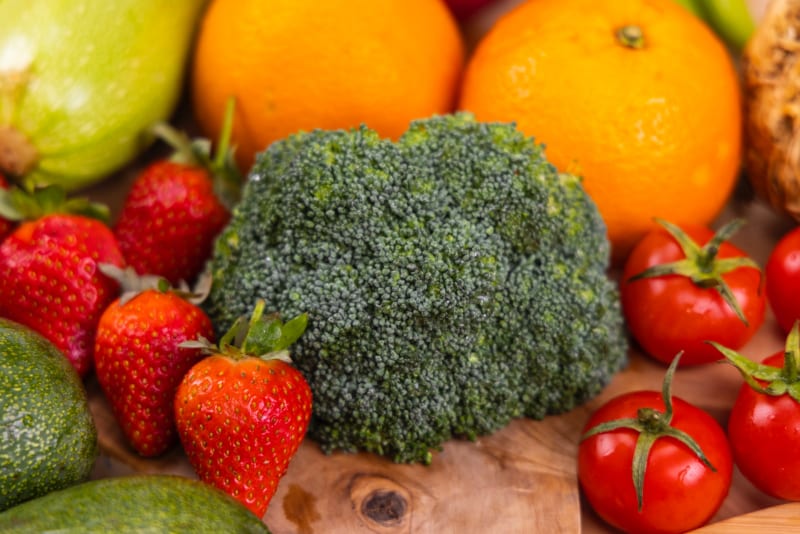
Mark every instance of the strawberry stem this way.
pixel 223 144
pixel 197 152
pixel 183 149
pixel 265 337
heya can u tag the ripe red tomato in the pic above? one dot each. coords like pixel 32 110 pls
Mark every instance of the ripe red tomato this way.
pixel 764 426
pixel 682 305
pixel 783 279
pixel 679 491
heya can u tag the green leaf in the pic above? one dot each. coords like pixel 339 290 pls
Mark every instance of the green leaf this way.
pixel 264 335
pixel 292 331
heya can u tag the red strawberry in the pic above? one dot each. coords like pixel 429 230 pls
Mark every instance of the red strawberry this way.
pixel 243 411
pixel 175 208
pixel 139 361
pixel 49 276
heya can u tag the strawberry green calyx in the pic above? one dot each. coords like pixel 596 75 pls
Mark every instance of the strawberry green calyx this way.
pixel 651 424
pixel 767 379
pixel 266 337
pixel 701 264
pixel 133 284
pixel 18 204
pixel 198 152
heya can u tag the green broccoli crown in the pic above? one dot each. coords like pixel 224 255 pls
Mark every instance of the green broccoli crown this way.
pixel 454 280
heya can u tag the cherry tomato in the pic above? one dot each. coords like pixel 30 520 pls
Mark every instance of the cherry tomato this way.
pixel 683 287
pixel 783 279
pixel 764 424
pixel 683 483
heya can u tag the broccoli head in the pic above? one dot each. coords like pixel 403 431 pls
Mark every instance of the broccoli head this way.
pixel 454 280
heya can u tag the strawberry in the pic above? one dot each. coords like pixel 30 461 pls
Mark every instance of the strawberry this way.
pixel 138 358
pixel 242 412
pixel 49 276
pixel 176 207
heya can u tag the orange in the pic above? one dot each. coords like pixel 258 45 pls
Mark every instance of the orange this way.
pixel 654 130
pixel 303 64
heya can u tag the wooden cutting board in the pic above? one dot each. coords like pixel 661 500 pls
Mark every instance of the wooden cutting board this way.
pixel 778 519
pixel 521 479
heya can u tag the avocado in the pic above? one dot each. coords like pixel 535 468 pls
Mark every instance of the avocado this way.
pixel 134 503
pixel 48 439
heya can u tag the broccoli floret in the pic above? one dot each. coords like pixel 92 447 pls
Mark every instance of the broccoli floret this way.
pixel 454 280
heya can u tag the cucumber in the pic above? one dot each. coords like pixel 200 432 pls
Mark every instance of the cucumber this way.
pixel 134 504
pixel 48 440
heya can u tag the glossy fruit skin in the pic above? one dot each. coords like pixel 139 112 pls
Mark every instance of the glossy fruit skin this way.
pixel 50 281
pixel 139 364
pixel 663 118
pixel 49 438
pixel 668 314
pixel 241 422
pixel 783 279
pixel 89 79
pixel 169 220
pixel 680 492
pixel 303 64
pixel 764 431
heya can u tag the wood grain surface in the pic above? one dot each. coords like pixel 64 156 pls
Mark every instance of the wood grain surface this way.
pixel 778 519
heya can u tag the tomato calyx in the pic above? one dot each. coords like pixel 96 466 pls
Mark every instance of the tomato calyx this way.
pixel 701 264
pixel 768 379
pixel 651 424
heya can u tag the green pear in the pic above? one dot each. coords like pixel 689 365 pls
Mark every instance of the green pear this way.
pixel 82 82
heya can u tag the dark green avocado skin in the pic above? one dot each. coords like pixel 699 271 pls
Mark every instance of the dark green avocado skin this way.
pixel 48 439
pixel 134 504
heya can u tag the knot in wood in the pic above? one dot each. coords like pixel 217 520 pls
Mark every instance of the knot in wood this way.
pixel 384 507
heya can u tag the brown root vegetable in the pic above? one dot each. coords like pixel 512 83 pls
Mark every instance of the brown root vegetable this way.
pixel 771 71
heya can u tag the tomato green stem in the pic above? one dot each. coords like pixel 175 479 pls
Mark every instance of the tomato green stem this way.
pixel 778 380
pixel 702 264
